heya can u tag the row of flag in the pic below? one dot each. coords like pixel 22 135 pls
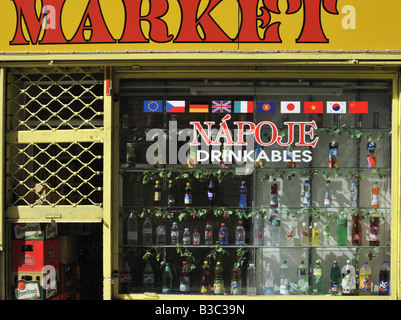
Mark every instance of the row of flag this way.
pixel 179 106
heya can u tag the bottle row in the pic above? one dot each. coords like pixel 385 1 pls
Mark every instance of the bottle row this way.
pixel 309 235
pixel 343 281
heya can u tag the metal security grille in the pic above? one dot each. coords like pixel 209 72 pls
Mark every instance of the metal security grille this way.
pixel 54 137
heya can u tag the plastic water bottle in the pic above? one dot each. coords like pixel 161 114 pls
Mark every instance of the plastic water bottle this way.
pixel 326 235
pixel 306 199
pixel 290 237
pixel 208 234
pixel 240 235
pixel 242 195
pixel 132 229
pixel 196 238
pixel 327 194
pixel 167 280
pixel 223 235
pixel 184 279
pixel 335 279
pixel 348 282
pixel 175 234
pixel 186 237
pixel 211 194
pixel 285 284
pixel 218 286
pixel 147 232
pixel 365 280
pixel 268 287
pixel 251 280
pixel 342 229
pixel 353 195
pixel 304 234
pixel 384 280
pixel 274 194
pixel 302 282
pixel 148 277
pixel 275 230
pixel 161 234
pixel 317 278
pixel 315 241
pixel 258 230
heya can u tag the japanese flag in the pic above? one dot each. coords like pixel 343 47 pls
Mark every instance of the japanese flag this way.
pixel 290 107
pixel 336 107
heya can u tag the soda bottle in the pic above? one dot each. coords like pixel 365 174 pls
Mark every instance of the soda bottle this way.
pixel 384 280
pixel 326 235
pixel 147 232
pixel 290 237
pixel 218 279
pixel 223 235
pixel 132 229
pixel 374 230
pixel 188 195
pixel 335 279
pixel 275 230
pixel 259 163
pixel 371 155
pixel 348 282
pixel 327 194
pixel 125 278
pixel 236 283
pixel 353 195
pixel 167 280
pixel 304 234
pixel 333 154
pixel 302 282
pixel 356 230
pixel 158 194
pixel 240 235
pixel 161 234
pixel 274 194
pixel 315 241
pixel 258 230
pixel 211 194
pixel 317 278
pixel 170 194
pixel 268 287
pixel 186 237
pixel 175 234
pixel 196 238
pixel 242 195
pixel 184 279
pixel 375 195
pixel 205 279
pixel 342 226
pixel 148 277
pixel 285 284
pixel 306 199
pixel 365 280
pixel 208 234
pixel 251 280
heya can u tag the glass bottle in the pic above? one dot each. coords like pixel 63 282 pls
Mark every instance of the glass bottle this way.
pixel 356 230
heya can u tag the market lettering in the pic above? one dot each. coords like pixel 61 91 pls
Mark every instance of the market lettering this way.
pixel 195 25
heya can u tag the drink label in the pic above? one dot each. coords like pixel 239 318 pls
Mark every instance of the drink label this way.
pixel 204 290
pixel 290 233
pixel 365 282
pixel 132 235
pixel 125 278
pixel 304 233
pixel 273 199
pixel 148 278
pixel 342 223
pixel 184 284
pixel 335 288
pixel 210 195
pixel 301 271
pixel 196 240
pixel 166 290
pixel 375 200
pixel 188 198
pixel 317 272
pixel 285 289
pixel 235 287
pixel 306 200
pixel 384 287
pixel 158 196
pixel 218 287
pixel 275 223
pixel 327 201
pixel 374 233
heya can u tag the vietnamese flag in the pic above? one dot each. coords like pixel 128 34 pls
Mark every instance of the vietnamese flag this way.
pixel 358 107
pixel 313 107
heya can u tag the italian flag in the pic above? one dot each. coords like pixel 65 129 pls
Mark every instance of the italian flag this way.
pixel 243 106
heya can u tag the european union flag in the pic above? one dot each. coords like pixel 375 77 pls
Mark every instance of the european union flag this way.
pixel 153 106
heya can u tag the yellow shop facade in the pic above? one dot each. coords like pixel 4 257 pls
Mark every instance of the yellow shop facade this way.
pixel 222 149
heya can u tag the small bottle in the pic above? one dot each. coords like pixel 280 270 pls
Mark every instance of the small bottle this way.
pixel 251 280
pixel 274 194
pixel 132 229
pixel 342 230
pixel 223 235
pixel 335 279
pixel 148 277
pixel 275 230
pixel 353 195
pixel 205 279
pixel 374 230
pixel 302 282
pixel 356 230
pixel 218 286
pixel 375 195
pixel 285 284
pixel 196 238
pixel 384 279
pixel 188 195
pixel 315 241
pixel 167 280
pixel 184 279
pixel 242 195
pixel 326 235
pixel 175 234
pixel 147 232
pixel 290 237
pixel 304 234
pixel 371 155
pixel 236 283
pixel 306 199
pixel 317 278
pixel 365 280
pixel 348 282
pixel 240 235
pixel 259 163
pixel 268 279
pixel 258 230
pixel 161 234
pixel 125 278
pixel 208 234
pixel 327 195
pixel 290 156
pixel 186 237
pixel 211 194
pixel 158 194
pixel 333 154
pixel 170 194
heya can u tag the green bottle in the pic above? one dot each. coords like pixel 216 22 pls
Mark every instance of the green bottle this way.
pixel 148 277
pixel 302 283
pixel 317 278
pixel 342 226
pixel 335 279
pixel 167 280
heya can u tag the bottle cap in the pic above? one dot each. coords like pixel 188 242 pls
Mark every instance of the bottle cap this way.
pixel 188 183
pixel 348 261
pixel 240 223
pixel 174 222
pixel 318 261
pixel 284 261
pixel 223 224
pixel 205 262
pixel 196 230
pixel 170 181
pixel 184 262
pixel 301 261
pixel 365 262
pixel 335 261
pixel 186 229
pixel 218 262
pixel 157 181
pixel 327 181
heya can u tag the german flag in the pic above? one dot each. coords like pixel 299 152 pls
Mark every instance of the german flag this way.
pixel 198 108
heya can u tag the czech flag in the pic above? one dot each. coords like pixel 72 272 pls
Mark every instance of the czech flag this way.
pixel 175 106
pixel 243 106
pixel 358 107
pixel 313 107
pixel 266 107
pixel 336 107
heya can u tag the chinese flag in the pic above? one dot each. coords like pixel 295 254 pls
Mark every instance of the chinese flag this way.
pixel 358 107
pixel 313 107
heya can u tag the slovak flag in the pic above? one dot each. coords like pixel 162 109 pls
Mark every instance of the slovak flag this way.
pixel 336 107
pixel 221 106
pixel 290 107
pixel 358 107
pixel 243 106
pixel 175 106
